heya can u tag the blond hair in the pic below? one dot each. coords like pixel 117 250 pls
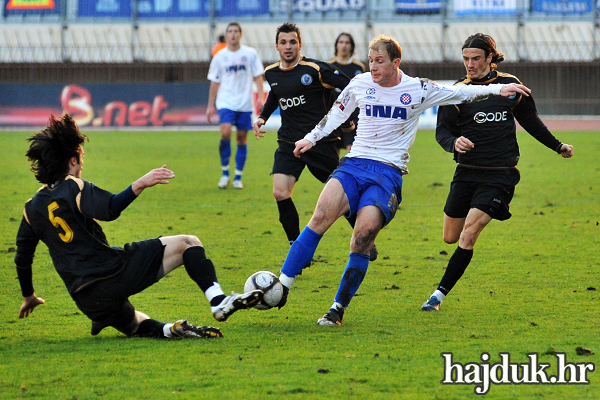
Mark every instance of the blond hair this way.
pixel 387 44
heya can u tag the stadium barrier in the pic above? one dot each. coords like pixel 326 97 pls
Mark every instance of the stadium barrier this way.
pixel 558 88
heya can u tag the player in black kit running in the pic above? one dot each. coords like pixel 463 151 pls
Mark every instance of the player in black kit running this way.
pixel 483 138
pixel 346 63
pixel 100 278
pixel 300 87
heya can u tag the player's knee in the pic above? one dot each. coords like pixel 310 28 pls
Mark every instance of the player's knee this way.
pixel 241 138
pixel 320 218
pixel 190 241
pixel 225 134
pixel 451 238
pixel 280 194
pixel 467 239
pixel 362 240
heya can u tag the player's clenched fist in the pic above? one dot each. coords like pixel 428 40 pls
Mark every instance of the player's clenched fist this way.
pixel 302 146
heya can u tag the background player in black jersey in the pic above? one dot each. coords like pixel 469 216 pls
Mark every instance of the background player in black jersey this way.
pixel 483 138
pixel 100 278
pixel 346 63
pixel 300 86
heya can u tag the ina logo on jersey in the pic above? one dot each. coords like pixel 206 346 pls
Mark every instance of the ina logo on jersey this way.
pixel 377 110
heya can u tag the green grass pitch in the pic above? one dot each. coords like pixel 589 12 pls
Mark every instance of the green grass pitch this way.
pixel 532 286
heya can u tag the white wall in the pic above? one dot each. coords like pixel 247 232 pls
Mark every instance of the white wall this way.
pixel 161 42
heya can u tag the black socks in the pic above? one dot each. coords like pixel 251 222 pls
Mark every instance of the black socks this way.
pixel 288 216
pixel 199 268
pixel 457 265
pixel 151 328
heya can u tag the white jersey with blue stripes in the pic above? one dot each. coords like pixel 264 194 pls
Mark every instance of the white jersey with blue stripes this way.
pixel 389 116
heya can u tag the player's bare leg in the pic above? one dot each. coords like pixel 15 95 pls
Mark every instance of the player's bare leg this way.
pixel 466 231
pixel 187 250
pixel 452 228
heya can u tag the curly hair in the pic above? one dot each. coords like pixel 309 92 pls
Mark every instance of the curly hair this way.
pixel 487 44
pixel 51 149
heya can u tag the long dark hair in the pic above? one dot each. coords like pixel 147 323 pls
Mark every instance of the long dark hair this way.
pixel 487 44
pixel 350 38
pixel 51 149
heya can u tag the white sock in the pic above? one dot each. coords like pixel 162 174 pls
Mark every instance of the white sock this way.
pixel 338 306
pixel 286 281
pixel 213 291
pixel 440 296
pixel 167 330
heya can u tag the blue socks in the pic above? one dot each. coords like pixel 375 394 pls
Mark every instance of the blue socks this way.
pixel 240 160
pixel 355 272
pixel 302 251
pixel 225 151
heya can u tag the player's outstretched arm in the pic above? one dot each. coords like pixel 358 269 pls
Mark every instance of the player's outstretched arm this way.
pixel 511 89
pixel 29 303
pixel 258 133
pixel 566 150
pixel 156 176
pixel 302 146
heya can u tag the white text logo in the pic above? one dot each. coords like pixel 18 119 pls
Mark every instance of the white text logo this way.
pixel 291 102
pixel 533 372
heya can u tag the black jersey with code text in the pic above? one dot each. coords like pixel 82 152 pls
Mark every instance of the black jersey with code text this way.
pixel 303 95
pixel 490 125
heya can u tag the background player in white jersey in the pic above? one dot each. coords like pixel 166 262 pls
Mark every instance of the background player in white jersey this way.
pixel 368 181
pixel 231 73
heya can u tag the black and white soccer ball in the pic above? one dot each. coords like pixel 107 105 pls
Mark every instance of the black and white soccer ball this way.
pixel 269 283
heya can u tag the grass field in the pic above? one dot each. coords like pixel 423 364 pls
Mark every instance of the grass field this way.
pixel 532 286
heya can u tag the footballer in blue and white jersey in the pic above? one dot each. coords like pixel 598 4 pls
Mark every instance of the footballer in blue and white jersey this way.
pixel 368 182
pixel 389 116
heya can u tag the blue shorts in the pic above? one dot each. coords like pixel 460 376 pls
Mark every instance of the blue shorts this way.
pixel 240 119
pixel 370 183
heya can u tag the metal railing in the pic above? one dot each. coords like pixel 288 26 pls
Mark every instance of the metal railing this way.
pixel 66 36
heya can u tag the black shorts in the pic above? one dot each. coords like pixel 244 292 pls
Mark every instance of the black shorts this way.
pixel 488 190
pixel 347 139
pixel 107 301
pixel 321 160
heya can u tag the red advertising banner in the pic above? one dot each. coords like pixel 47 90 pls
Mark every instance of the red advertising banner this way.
pixel 105 104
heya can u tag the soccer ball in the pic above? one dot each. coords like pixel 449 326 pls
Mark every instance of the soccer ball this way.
pixel 269 283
